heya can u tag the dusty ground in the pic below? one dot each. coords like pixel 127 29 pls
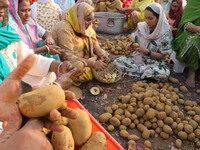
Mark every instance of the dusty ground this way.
pixel 97 104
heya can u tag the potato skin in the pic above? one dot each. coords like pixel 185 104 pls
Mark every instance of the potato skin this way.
pixel 96 142
pixel 62 140
pixel 81 127
pixel 40 102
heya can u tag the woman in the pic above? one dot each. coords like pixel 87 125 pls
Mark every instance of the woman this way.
pixel 174 15
pixel 167 6
pixel 187 45
pixel 154 39
pixel 136 12
pixel 107 5
pixel 13 51
pixel 30 32
pixel 46 13
pixel 76 34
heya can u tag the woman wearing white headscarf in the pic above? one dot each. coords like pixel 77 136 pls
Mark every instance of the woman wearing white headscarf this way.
pixel 154 38
pixel 46 13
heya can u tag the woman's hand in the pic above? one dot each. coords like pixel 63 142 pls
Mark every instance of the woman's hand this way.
pixel 104 56
pixel 49 41
pixel 52 49
pixel 99 65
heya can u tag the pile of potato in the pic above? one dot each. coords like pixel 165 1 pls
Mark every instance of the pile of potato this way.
pixel 46 101
pixel 117 45
pixel 155 108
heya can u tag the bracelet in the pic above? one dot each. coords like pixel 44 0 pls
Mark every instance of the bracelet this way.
pixel 55 83
pixel 48 50
pixel 149 53
pixel 59 67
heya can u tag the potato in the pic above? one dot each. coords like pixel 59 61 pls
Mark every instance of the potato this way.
pixel 123 133
pixel 178 143
pixel 132 126
pixel 183 89
pixel 114 107
pixel 42 101
pixel 114 121
pixel 81 127
pixel 161 115
pixel 110 128
pixel 62 140
pixel 167 129
pixel 147 143
pixel 97 141
pixel 146 134
pixel 133 137
pixel 126 99
pixel 148 101
pixel 182 135
pixel 109 110
pixel 164 135
pixel 140 112
pixel 126 121
pixel 122 127
pixel 151 113
pixel 188 128
pixel 173 80
pixel 191 136
pixel 104 117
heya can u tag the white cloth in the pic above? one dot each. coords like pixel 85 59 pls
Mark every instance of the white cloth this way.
pixel 64 5
pixel 39 74
pixel 40 31
pixel 162 26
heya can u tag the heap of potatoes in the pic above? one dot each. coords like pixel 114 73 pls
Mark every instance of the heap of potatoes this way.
pixel 155 108
pixel 117 45
pixel 46 101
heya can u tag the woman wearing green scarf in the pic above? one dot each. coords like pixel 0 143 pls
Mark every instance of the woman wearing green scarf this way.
pixel 187 42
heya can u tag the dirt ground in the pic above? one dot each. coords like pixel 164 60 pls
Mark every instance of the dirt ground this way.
pixel 96 105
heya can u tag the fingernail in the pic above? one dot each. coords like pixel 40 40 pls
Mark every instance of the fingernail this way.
pixel 75 69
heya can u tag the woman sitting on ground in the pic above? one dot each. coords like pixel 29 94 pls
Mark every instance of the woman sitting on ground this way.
pixel 76 35
pixel 30 32
pixel 154 38
pixel 187 42
pixel 174 15
pixel 136 12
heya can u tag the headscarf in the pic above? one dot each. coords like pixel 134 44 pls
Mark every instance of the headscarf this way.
pixel 176 16
pixel 191 13
pixel 27 32
pixel 7 36
pixel 161 29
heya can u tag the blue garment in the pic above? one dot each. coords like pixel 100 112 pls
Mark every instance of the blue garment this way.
pixel 7 36
pixel 167 6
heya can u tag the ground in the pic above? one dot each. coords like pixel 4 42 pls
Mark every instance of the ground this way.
pixel 96 105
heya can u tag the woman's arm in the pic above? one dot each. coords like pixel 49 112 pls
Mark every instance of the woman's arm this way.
pixel 193 28
pixel 122 10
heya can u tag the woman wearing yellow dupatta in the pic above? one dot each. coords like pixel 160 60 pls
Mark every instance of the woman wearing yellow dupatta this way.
pixel 77 39
pixel 107 5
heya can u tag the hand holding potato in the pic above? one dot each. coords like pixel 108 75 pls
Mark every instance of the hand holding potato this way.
pixel 30 135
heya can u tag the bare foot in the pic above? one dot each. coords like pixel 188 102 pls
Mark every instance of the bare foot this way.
pixel 190 81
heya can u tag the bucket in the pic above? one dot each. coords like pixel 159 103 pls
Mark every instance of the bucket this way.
pixel 110 22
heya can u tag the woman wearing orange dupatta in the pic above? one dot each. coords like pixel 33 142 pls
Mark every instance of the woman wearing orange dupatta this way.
pixel 75 34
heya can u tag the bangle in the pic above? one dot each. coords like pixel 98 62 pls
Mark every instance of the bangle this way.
pixel 59 66
pixel 55 83
pixel 48 50
pixel 149 53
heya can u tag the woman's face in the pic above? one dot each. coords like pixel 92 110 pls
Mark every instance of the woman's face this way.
pixel 24 11
pixel 3 4
pixel 150 19
pixel 88 20
pixel 174 6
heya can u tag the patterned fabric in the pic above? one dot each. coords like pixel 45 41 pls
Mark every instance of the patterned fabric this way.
pixel 148 67
pixel 139 65
pixel 48 15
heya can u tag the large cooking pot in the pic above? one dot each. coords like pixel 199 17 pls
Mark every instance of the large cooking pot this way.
pixel 110 22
